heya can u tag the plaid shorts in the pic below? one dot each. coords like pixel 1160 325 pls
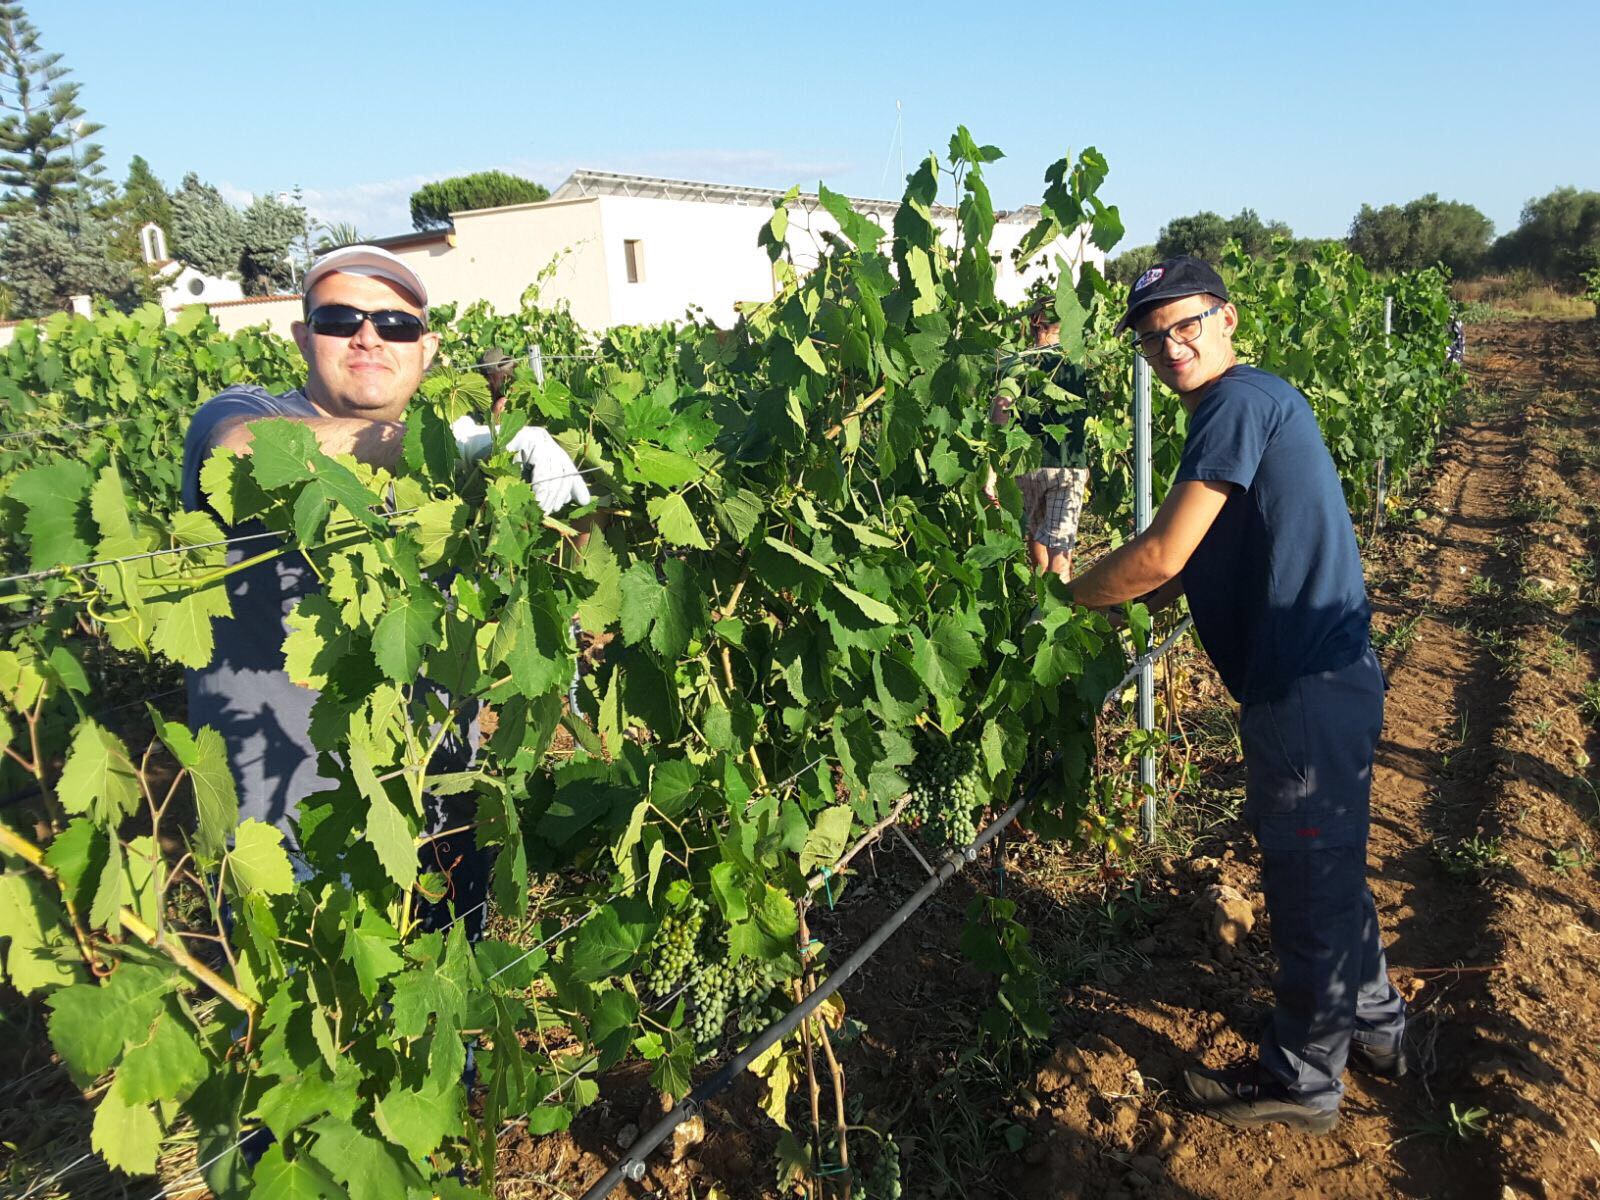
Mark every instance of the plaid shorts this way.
pixel 1052 499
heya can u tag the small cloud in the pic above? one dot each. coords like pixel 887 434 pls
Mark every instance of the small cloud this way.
pixel 377 209
pixel 236 196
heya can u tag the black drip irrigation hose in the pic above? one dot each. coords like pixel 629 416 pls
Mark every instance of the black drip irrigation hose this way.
pixel 634 1166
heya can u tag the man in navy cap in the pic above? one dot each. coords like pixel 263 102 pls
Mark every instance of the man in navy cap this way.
pixel 1256 533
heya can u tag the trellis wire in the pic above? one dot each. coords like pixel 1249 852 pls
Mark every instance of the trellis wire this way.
pixel 21 434
pixel 74 569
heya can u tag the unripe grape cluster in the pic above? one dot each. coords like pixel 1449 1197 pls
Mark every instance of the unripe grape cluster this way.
pixel 883 1181
pixel 720 985
pixel 947 791
pixel 672 952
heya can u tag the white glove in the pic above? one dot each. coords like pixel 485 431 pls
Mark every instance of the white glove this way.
pixel 473 438
pixel 555 479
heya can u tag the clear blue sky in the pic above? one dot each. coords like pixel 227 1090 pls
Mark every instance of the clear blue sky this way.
pixel 1300 111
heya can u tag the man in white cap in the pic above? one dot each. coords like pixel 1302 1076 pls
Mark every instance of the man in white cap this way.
pixel 366 343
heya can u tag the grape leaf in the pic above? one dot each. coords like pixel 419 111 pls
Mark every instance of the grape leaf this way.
pixel 278 1178
pixel 387 831
pixel 875 610
pixel 168 1066
pixel 675 521
pixel 370 1169
pixel 258 861
pixel 127 1135
pixel 216 797
pixel 183 630
pixel 410 624
pixel 99 778
pixel 317 641
pixel 418 1121
pixel 39 954
pixel 369 946
pixel 826 841
pixel 90 1022
pixel 56 521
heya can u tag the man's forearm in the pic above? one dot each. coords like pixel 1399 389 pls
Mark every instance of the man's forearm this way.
pixel 1132 570
pixel 377 443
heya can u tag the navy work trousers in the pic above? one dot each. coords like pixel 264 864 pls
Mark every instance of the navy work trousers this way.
pixel 1308 762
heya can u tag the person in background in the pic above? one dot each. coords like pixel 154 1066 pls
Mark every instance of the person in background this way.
pixel 1053 493
pixel 497 367
pixel 1256 533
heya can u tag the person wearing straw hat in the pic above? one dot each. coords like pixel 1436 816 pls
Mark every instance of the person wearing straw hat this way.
pixel 366 343
pixel 1256 533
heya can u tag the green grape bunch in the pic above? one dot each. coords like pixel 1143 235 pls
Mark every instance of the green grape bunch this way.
pixel 722 986
pixel 672 951
pixel 948 791
pixel 883 1181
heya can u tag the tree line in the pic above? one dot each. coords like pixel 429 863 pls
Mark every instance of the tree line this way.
pixel 1557 239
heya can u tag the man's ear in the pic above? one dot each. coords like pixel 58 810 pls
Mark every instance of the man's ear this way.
pixel 1230 318
pixel 430 347
pixel 302 335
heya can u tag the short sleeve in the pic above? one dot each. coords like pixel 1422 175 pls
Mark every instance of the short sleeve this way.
pixel 201 435
pixel 1228 435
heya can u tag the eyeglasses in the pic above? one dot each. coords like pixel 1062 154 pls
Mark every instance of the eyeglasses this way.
pixel 344 321
pixel 1183 332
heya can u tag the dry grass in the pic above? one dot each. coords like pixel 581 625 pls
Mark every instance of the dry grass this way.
pixel 1521 295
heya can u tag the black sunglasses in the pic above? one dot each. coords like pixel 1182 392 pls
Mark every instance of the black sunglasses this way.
pixel 344 321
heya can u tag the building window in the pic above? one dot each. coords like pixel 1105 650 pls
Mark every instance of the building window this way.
pixel 633 259
pixel 196 286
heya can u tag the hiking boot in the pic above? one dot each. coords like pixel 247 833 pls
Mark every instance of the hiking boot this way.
pixel 1247 1096
pixel 1385 1064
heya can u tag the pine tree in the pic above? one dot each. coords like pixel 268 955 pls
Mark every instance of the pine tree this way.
pixel 45 156
pixel 48 257
pixel 207 232
pixel 271 228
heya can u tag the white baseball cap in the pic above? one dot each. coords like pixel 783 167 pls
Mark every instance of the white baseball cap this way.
pixel 365 260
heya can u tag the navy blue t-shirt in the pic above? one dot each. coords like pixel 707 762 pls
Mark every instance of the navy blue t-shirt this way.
pixel 1275 585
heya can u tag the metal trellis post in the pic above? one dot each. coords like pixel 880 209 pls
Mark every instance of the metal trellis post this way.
pixel 1143 489
pixel 536 361
pixel 1383 461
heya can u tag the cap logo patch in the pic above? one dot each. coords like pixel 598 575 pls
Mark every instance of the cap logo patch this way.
pixel 1148 278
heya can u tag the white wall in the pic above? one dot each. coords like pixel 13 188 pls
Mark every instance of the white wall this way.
pixel 706 254
pixel 277 313
pixel 498 252
pixel 189 286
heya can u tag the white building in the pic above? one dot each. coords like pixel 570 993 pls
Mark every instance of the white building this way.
pixel 181 284
pixel 633 249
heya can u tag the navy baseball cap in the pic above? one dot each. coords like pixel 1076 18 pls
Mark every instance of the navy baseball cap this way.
pixel 1182 275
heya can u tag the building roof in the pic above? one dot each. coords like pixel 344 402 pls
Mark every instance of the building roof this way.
pixel 248 300
pixel 403 240
pixel 583 183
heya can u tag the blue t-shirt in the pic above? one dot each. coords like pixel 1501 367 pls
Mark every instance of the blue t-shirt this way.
pixel 1275 586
